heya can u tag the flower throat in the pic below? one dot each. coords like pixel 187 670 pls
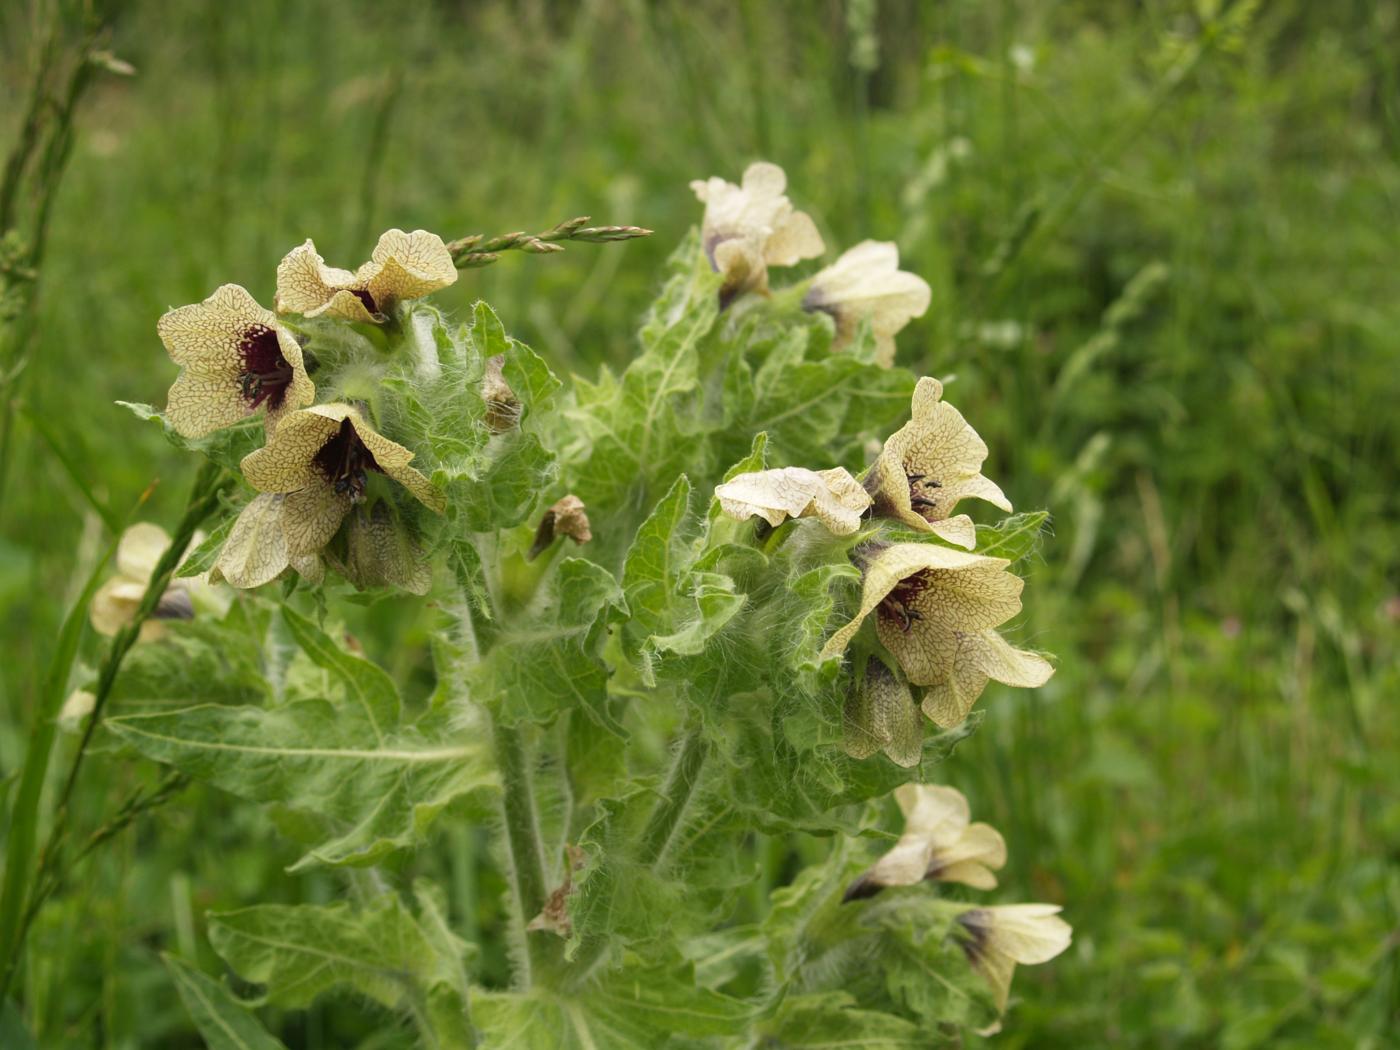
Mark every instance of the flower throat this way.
pixel 346 462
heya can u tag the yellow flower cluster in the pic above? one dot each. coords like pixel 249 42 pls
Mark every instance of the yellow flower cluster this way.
pixel 940 845
pixel 936 608
pixel 236 357
pixel 751 227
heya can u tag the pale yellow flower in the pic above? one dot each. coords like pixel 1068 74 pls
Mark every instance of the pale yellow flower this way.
pixel 935 609
pixel 996 938
pixel 320 459
pixel 930 465
pixel 234 359
pixel 402 266
pixel 255 551
pixel 833 497
pixel 938 844
pixel 866 283
pixel 881 715
pixel 115 603
pixel 749 228
pixel 975 659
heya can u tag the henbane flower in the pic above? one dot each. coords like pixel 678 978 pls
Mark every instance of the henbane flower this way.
pixel 931 464
pixel 833 497
pixel 234 358
pixel 402 266
pixel 938 843
pixel 934 606
pixel 881 715
pixel 115 603
pixel 749 228
pixel 321 458
pixel 996 938
pixel 866 283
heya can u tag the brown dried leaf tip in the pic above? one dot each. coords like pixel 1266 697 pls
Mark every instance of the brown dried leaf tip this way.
pixel 554 916
pixel 502 406
pixel 568 518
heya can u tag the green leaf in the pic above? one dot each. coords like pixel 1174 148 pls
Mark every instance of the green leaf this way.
pixel 366 683
pixel 549 659
pixel 381 951
pixel 635 433
pixel 1013 538
pixel 225 1023
pixel 201 558
pixel 834 1020
pixel 658 557
pixel 636 1008
pixel 378 795
pixel 227 447
pixel 508 485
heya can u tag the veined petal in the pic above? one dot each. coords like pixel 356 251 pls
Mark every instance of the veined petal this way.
pixel 930 464
pixel 833 497
pixel 301 391
pixel 390 455
pixel 1000 936
pixel 924 592
pixel 957 530
pixel 311 516
pixel 305 283
pixel 975 659
pixel 199 404
pixel 423 490
pixel 407 266
pixel 344 304
pixel 205 337
pixel 749 227
pixel 256 549
pixel 284 464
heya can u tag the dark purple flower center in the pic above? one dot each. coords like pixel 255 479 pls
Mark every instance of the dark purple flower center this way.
pixel 346 462
pixel 919 486
pixel 366 298
pixel 266 373
pixel 896 605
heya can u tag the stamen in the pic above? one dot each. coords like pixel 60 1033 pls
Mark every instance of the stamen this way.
pixel 346 462
pixel 896 604
pixel 266 374
pixel 919 502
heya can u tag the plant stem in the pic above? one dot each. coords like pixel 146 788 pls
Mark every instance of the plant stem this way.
pixel 522 839
pixel 203 500
pixel 675 797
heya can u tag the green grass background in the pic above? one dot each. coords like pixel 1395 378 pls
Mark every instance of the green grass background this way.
pixel 1169 292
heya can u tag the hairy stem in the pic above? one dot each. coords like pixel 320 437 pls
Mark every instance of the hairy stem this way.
pixel 523 841
pixel 675 797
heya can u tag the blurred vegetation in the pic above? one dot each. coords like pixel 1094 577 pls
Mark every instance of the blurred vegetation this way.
pixel 1163 244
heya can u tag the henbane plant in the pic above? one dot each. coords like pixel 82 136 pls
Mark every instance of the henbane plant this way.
pixel 679 614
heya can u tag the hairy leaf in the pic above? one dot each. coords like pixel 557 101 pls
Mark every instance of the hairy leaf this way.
pixel 379 794
pixel 223 1021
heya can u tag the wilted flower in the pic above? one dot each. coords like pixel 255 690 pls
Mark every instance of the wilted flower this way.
pixel 567 517
pixel 866 283
pixel 381 552
pixel 833 497
pixel 402 266
pixel 935 609
pixel 938 843
pixel 749 228
pixel 321 458
pixel 234 358
pixel 881 715
pixel 502 406
pixel 928 466
pixel 115 603
pixel 996 938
